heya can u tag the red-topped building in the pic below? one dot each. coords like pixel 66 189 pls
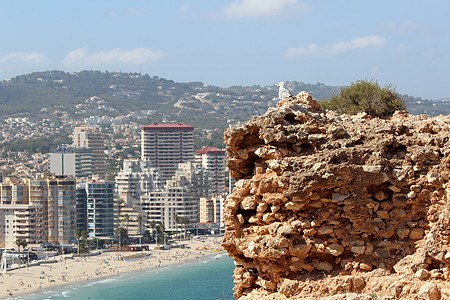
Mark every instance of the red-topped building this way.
pixel 165 127
pixel 211 150
pixel 167 145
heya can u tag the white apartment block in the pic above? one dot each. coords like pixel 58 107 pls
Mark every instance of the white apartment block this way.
pixel 212 160
pixel 20 221
pixel 76 162
pixel 178 198
pixel 136 178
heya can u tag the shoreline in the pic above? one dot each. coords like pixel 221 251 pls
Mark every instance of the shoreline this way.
pixel 133 274
pixel 20 282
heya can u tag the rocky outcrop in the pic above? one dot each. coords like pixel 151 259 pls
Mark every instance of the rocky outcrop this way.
pixel 329 205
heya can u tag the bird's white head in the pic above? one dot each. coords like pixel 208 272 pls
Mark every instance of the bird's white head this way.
pixel 281 83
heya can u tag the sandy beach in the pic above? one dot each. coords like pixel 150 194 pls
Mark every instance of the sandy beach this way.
pixel 68 270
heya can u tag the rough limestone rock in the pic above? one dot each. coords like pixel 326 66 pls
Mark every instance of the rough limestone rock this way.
pixel 339 206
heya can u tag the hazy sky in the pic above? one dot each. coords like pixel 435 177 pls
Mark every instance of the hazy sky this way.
pixel 235 42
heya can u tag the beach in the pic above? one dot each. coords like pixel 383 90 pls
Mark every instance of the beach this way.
pixel 66 270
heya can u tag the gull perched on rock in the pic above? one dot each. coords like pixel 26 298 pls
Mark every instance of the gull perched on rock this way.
pixel 283 92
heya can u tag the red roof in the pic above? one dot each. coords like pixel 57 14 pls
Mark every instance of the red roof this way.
pixel 210 150
pixel 170 127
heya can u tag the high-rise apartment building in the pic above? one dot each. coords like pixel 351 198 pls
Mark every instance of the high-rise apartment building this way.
pixel 91 137
pixel 13 191
pixel 54 200
pixel 57 196
pixel 76 162
pixel 18 218
pixel 212 160
pixel 101 207
pixel 81 207
pixel 167 145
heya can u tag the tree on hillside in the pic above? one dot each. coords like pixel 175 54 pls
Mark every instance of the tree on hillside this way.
pixel 365 96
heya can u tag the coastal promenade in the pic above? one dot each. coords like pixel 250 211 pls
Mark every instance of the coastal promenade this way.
pixel 69 270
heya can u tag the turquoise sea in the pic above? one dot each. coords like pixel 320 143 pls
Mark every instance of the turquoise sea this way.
pixel 207 278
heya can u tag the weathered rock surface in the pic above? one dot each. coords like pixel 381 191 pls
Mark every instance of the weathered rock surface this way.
pixel 339 206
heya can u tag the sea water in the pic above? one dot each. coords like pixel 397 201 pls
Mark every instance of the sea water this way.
pixel 207 278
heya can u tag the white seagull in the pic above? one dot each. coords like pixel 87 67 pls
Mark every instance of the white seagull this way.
pixel 283 92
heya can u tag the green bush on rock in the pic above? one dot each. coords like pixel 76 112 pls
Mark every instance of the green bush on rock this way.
pixel 365 96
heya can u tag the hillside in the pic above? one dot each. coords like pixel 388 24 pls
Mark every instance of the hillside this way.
pixel 90 93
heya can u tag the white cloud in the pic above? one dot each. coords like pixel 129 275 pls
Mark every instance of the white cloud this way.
pixel 82 57
pixel 263 8
pixel 337 48
pixel 23 58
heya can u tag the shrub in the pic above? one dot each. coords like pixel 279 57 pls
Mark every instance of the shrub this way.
pixel 365 96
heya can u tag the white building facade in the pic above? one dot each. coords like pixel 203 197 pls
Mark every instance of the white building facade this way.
pixel 76 162
pixel 178 198
pixel 136 178
pixel 212 160
pixel 20 221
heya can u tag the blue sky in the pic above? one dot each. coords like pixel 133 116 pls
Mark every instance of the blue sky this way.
pixel 235 42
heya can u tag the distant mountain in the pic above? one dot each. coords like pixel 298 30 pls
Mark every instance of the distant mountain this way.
pixel 94 93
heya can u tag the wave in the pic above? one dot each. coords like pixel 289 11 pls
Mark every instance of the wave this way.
pixel 107 280
pixel 65 294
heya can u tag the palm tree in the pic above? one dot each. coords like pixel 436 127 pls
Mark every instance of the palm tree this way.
pixel 126 220
pixel 24 244
pixel 139 220
pixel 95 242
pixel 160 228
pixel 185 221
pixel 123 235
pixel 85 235
pixel 147 236
pixel 152 226
pixel 177 221
pixel 19 243
pixel 78 237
